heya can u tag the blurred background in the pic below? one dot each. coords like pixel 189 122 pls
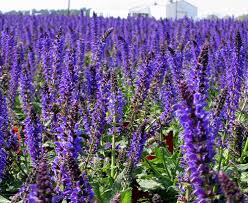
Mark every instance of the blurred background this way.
pixel 196 9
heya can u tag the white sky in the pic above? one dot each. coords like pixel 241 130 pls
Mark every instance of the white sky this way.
pixel 120 7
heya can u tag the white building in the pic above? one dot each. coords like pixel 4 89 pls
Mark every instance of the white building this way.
pixel 175 9
pixel 158 9
pixel 142 10
pixel 179 9
pixel 154 10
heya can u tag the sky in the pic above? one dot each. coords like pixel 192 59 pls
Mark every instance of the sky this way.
pixel 120 7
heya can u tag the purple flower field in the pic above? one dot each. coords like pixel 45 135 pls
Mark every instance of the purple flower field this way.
pixel 109 110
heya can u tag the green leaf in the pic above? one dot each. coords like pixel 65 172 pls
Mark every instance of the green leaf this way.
pixel 242 167
pixel 47 124
pixel 147 185
pixel 126 196
pixel 244 177
pixel 98 192
pixel 118 185
pixel 3 200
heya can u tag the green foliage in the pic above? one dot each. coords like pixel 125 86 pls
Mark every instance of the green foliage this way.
pixel 4 200
pixel 126 196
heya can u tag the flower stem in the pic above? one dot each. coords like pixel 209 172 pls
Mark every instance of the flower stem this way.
pixel 113 157
pixel 246 143
pixel 244 151
pixel 112 173
pixel 221 157
pixel 163 154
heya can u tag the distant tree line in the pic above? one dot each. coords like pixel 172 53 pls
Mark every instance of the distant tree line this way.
pixel 214 17
pixel 85 11
pixel 243 17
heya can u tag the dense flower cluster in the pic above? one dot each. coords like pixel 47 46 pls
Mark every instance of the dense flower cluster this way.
pixel 91 94
pixel 3 128
pixel 197 147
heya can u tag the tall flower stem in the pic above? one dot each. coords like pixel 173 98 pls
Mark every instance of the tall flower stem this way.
pixel 113 157
pixel 88 157
pixel 244 151
pixel 113 152
pixel 221 158
pixel 246 143
pixel 221 154
pixel 163 154
pixel 165 165
pixel 243 107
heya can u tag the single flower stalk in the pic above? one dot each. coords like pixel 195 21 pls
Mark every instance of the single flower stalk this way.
pixel 198 142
